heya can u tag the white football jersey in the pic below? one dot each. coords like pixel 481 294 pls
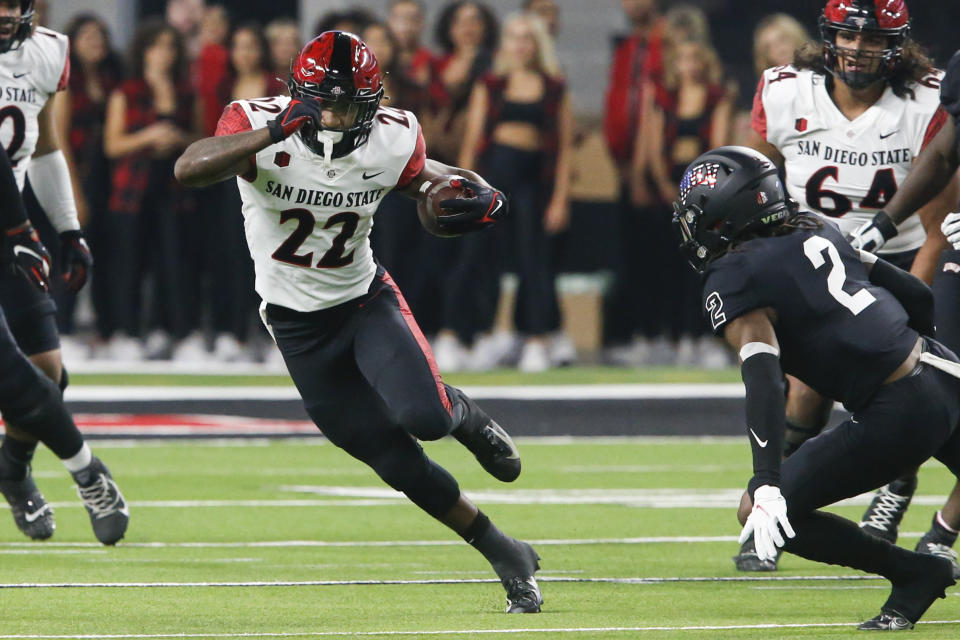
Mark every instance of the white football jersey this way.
pixel 842 169
pixel 29 75
pixel 307 221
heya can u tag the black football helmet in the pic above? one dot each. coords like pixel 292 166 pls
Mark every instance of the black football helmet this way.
pixel 22 27
pixel 725 194
pixel 888 18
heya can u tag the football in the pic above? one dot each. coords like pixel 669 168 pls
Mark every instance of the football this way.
pixel 435 191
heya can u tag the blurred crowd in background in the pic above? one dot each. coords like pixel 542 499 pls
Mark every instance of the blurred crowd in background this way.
pixel 173 278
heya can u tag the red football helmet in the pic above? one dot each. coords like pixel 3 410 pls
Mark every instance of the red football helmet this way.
pixel 22 27
pixel 340 71
pixel 888 18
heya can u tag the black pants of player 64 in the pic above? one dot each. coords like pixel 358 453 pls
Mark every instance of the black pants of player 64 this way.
pixel 368 381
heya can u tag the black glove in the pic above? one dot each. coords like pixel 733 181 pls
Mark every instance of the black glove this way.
pixel 297 114
pixel 24 253
pixel 480 207
pixel 75 260
pixel 872 235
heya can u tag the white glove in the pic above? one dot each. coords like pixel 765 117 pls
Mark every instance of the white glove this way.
pixel 872 235
pixel 951 229
pixel 769 510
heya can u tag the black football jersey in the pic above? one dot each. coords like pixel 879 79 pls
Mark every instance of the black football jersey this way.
pixel 838 333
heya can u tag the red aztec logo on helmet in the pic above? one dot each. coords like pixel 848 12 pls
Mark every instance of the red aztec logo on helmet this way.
pixel 888 14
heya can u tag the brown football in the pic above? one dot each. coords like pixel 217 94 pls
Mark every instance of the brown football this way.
pixel 435 191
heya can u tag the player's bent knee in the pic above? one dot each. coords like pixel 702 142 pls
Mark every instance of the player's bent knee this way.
pixel 425 422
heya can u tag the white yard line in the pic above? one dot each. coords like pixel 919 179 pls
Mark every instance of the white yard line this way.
pixel 423 581
pixel 448 632
pixel 97 393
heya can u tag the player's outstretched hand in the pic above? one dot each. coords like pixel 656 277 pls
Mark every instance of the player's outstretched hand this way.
pixel 75 260
pixel 951 229
pixel 24 253
pixel 295 115
pixel 872 235
pixel 479 206
pixel 768 515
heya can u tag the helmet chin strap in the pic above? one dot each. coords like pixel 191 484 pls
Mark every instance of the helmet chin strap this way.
pixel 328 139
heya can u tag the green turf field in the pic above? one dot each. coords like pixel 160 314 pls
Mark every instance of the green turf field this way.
pixel 275 515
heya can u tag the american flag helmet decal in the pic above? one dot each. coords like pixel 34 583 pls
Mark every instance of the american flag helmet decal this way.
pixel 702 174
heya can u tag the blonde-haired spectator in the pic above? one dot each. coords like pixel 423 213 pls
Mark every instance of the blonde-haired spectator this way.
pixel 775 40
pixel 519 131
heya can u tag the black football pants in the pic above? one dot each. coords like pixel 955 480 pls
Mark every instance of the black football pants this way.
pixel 367 378
pixel 946 296
pixel 904 423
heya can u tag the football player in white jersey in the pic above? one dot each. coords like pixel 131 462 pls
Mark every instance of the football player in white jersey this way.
pixel 846 121
pixel 34 66
pixel 312 169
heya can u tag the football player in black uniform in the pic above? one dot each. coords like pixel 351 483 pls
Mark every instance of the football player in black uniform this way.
pixel 791 295
pixel 34 402
pixel 932 170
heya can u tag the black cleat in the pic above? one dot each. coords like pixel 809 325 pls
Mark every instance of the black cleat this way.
pixel 493 448
pixel 886 621
pixel 747 559
pixel 34 517
pixel 105 504
pixel 523 593
pixel 912 595
pixel 882 518
pixel 929 547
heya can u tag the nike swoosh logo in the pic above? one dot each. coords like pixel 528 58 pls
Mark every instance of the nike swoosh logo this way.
pixel 20 75
pixel 17 250
pixel 497 208
pixel 762 443
pixel 884 137
pixel 372 175
pixel 33 516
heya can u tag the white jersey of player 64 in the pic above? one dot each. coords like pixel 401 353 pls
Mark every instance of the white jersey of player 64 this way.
pixel 307 219
pixel 29 75
pixel 847 169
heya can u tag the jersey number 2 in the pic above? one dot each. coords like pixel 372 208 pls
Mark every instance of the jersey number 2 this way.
pixel 813 248
pixel 333 258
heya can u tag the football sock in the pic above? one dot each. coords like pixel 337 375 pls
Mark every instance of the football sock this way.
pixel 14 459
pixel 500 550
pixel 825 537
pixel 940 532
pixel 79 461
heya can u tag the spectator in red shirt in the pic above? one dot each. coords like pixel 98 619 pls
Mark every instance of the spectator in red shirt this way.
pixel 212 65
pixel 96 70
pixel 150 120
pixel 406 21
pixel 636 58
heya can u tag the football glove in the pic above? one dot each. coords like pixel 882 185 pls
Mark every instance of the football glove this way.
pixel 951 229
pixel 75 260
pixel 480 207
pixel 764 522
pixel 297 113
pixel 24 253
pixel 872 235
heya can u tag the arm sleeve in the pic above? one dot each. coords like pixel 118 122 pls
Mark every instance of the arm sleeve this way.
pixel 415 164
pixel 12 213
pixel 766 416
pixel 913 294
